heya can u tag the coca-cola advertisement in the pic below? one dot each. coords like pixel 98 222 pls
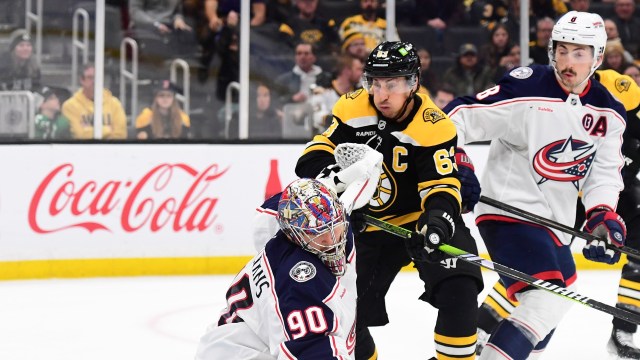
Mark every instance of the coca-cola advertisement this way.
pixel 128 201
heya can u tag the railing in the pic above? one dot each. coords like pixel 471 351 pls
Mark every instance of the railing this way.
pixel 185 97
pixel 131 75
pixel 228 105
pixel 79 45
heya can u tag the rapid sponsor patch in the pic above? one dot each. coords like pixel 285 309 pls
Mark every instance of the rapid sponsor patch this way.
pixel 303 271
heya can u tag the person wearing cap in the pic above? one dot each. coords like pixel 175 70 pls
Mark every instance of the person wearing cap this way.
pixel 468 76
pixel 18 68
pixel 164 119
pixel 368 23
pixel 79 109
pixel 353 44
pixel 49 122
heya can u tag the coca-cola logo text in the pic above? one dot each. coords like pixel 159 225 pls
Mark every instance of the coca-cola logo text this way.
pixel 151 203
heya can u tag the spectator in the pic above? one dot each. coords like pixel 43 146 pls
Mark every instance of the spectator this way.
pixel 49 123
pixel 215 16
pixel 612 35
pixel 228 44
pixel 539 49
pixel 368 23
pixel 614 57
pixel 164 119
pixel 308 28
pixel 512 60
pixel 347 76
pixel 488 13
pixel 495 52
pixel 163 23
pixel 428 78
pixel 444 96
pixel 279 11
pixel 634 71
pixel 79 110
pixel 628 25
pixel 354 45
pixel 295 86
pixel 580 5
pixel 265 122
pixel 18 68
pixel 468 76
pixel 440 14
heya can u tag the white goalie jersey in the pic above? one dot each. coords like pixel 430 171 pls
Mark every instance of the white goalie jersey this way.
pixel 286 304
pixel 546 145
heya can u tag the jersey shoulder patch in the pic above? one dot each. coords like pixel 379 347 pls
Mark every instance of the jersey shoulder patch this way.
pixel 522 72
pixel 303 271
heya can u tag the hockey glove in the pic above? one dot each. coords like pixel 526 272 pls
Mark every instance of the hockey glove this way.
pixel 436 229
pixel 608 226
pixel 358 222
pixel 470 186
pixel 329 177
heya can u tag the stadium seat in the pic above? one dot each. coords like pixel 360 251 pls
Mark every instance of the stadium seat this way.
pixel 422 37
pixel 458 35
pixel 338 10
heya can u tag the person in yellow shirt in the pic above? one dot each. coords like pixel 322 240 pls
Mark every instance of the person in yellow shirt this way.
pixel 79 109
pixel 368 23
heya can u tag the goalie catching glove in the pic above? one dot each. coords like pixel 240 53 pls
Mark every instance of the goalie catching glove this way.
pixel 435 229
pixel 608 226
pixel 355 175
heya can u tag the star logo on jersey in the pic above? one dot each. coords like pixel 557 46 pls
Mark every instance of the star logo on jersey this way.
pixel 303 271
pixel 433 115
pixel 564 160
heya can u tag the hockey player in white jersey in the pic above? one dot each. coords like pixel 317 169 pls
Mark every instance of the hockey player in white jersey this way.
pixel 553 133
pixel 296 299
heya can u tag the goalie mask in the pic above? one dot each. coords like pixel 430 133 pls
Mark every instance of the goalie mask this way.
pixel 313 218
pixel 580 28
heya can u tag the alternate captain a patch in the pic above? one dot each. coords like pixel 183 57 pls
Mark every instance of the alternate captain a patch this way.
pixel 303 271
pixel 433 115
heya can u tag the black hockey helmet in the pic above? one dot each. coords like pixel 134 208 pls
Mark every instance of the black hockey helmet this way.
pixel 392 59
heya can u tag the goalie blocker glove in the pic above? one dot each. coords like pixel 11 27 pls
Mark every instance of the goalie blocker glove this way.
pixel 609 226
pixel 470 186
pixel 436 228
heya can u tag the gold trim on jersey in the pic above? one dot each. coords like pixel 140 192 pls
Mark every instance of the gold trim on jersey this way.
pixel 320 143
pixel 628 301
pixel 449 185
pixel 455 348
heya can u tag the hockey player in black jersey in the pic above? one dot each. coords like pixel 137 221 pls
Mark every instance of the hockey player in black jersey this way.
pixel 419 188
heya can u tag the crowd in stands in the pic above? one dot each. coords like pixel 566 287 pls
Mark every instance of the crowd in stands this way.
pixel 304 54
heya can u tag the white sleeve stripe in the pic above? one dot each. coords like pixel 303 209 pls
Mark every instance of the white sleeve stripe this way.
pixel 456 351
pixel 607 110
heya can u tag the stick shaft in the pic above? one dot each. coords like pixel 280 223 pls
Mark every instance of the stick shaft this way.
pixel 556 225
pixel 512 273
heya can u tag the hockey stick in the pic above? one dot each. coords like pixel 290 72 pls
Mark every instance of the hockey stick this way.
pixel 556 225
pixel 512 273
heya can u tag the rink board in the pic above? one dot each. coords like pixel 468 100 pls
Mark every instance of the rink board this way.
pixel 138 209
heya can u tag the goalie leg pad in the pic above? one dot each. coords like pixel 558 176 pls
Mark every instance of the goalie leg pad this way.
pixel 540 312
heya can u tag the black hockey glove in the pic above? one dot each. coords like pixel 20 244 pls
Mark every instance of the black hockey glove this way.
pixel 358 222
pixel 435 229
pixel 470 186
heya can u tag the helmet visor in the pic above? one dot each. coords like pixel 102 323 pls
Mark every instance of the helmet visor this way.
pixel 392 85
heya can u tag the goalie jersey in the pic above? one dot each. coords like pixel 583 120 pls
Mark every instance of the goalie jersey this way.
pixel 286 304
pixel 546 145
pixel 418 155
